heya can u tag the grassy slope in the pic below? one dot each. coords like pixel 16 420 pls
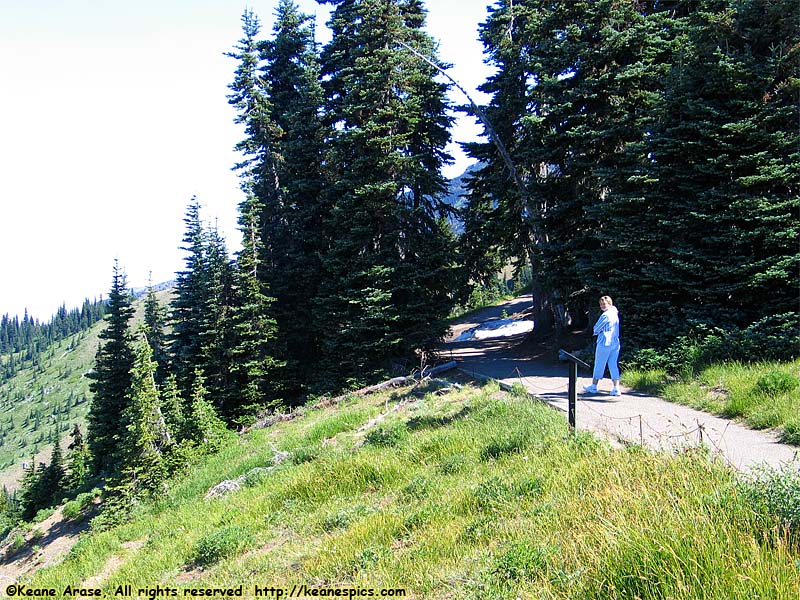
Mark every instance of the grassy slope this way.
pixel 58 392
pixel 733 390
pixel 472 494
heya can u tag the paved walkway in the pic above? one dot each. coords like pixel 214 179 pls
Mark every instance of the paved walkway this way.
pixel 631 418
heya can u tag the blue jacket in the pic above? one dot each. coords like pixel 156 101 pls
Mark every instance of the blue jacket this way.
pixel 607 328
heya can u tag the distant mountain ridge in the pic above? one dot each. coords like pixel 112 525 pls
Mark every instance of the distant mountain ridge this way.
pixel 457 189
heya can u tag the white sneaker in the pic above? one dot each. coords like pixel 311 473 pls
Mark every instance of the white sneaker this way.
pixel 616 392
pixel 590 389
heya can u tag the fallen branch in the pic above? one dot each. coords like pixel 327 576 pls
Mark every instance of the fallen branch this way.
pixel 227 486
pixel 372 422
pixel 426 372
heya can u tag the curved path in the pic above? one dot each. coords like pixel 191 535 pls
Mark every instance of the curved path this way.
pixel 631 418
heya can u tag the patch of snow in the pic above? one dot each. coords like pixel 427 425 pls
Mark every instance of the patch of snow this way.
pixel 496 329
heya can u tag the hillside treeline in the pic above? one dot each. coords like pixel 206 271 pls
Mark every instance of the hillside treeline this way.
pixel 646 150
pixel 23 341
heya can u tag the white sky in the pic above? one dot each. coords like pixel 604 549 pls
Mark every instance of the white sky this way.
pixel 113 114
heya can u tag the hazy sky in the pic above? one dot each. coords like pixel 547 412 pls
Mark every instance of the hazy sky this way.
pixel 114 114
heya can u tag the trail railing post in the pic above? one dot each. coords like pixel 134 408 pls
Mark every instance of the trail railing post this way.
pixel 572 393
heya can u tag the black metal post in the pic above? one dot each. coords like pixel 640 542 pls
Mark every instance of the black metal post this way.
pixel 573 393
pixel 572 399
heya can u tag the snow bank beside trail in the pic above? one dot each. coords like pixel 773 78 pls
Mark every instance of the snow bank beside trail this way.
pixel 496 329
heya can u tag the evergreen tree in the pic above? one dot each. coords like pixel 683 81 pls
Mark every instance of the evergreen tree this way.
pixel 572 98
pixel 656 147
pixel 189 303
pixel 29 499
pixel 724 168
pixel 216 325
pixel 389 263
pixel 172 409
pixel 295 241
pixel 78 461
pixel 111 377
pixel 147 440
pixel 155 317
pixel 204 427
pixel 53 477
pixel 705 195
pixel 253 364
pixel 202 312
pixel 249 96
pixel 278 97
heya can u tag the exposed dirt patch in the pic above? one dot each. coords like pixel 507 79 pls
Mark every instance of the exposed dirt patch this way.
pixel 45 544
pixel 718 394
pixel 189 574
pixel 113 563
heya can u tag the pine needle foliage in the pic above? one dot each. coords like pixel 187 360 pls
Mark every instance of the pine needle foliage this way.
pixel 657 143
pixel 111 378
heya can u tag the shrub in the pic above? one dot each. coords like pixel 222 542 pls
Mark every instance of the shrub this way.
pixel 219 544
pixel 43 514
pixel 519 561
pixel 71 510
pixel 17 542
pixel 774 495
pixel 775 337
pixel 501 446
pixel 771 338
pixel 775 383
pixel 791 432
pixel 647 359
pixel 387 435
pixel 452 464
pixel 417 488
pixel 80 505
pixel 491 494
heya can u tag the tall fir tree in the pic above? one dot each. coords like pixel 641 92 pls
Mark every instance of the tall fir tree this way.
pixel 254 367
pixel 278 96
pixel 217 329
pixel 294 244
pixel 53 478
pixel 389 262
pixel 724 168
pixel 202 317
pixel 29 491
pixel 648 136
pixel 187 309
pixel 572 99
pixel 111 377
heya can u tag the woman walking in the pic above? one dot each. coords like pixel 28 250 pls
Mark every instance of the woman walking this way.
pixel 607 350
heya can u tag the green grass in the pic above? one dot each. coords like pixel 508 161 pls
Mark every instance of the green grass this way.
pixel 474 494
pixel 763 395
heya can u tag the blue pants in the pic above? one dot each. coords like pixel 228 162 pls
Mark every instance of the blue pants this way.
pixel 606 355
